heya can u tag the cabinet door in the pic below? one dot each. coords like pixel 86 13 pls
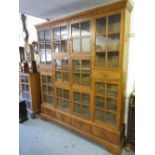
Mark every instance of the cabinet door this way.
pixel 106 102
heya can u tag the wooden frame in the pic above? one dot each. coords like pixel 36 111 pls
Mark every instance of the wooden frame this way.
pixel 111 136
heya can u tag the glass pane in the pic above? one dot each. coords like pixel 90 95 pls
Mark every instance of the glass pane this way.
pixel 112 90
pixel 100 88
pixel 59 92
pixel 44 89
pixel 85 28
pixel 76 78
pixel 99 102
pixel 41 35
pixel 85 80
pixel 100 43
pixel 64 46
pixel 75 30
pixel 99 115
pixel 111 104
pixel 49 80
pixel 66 105
pixel 27 88
pixel 101 26
pixel 65 77
pixel 26 79
pixel 114 23
pixel 66 94
pixel 77 108
pixel 22 78
pixel 76 45
pixel 113 43
pixel 58 64
pixel 47 35
pixel 27 96
pixel 42 53
pixel 113 59
pixel 23 87
pixel 45 98
pixel 59 76
pixel 86 99
pixel 76 66
pixel 77 97
pixel 48 54
pixel 28 104
pixel 86 111
pixel 43 79
pixel 60 103
pixel 65 65
pixel 110 118
pixel 56 32
pixel 50 90
pixel 64 33
pixel 86 44
pixel 51 99
pixel 86 66
pixel 100 59
pixel 57 47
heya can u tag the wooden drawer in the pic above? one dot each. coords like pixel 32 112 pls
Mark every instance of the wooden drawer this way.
pixel 81 125
pixel 43 110
pixel 59 116
pixel 107 135
pixel 67 119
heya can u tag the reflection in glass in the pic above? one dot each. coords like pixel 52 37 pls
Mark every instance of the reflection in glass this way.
pixel 113 59
pixel 101 26
pixel 64 33
pixel 59 92
pixel 86 98
pixel 99 115
pixel 99 102
pixel 76 45
pixel 75 30
pixel 85 28
pixel 41 35
pixel 58 76
pixel 57 47
pixel 113 43
pixel 77 97
pixel 100 59
pixel 86 111
pixel 111 104
pixel 58 64
pixel 47 35
pixel 114 23
pixel 56 32
pixel 86 44
pixel 77 108
pixel 64 46
pixel 112 90
pixel 110 118
pixel 100 88
pixel 100 43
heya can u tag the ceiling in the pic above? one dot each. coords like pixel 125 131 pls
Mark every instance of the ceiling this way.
pixel 50 9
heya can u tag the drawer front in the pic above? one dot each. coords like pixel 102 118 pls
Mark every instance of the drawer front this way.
pixel 101 75
pixel 67 119
pixel 59 116
pixel 107 135
pixel 81 125
pixel 43 110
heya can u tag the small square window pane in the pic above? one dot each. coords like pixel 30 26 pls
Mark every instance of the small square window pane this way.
pixel 101 26
pixel 76 45
pixel 64 46
pixel 66 105
pixel 57 47
pixel 66 94
pixel 64 33
pixel 85 28
pixel 99 102
pixel 100 59
pixel 43 79
pixel 100 88
pixel 75 30
pixel 111 104
pixel 99 115
pixel 49 80
pixel 77 108
pixel 112 90
pixel 76 66
pixel 65 65
pixel 59 92
pixel 85 80
pixel 45 98
pixel 58 64
pixel 113 43
pixel 60 103
pixel 50 90
pixel 41 35
pixel 86 66
pixel 77 97
pixel 59 76
pixel 51 99
pixel 76 78
pixel 56 32
pixel 110 118
pixel 44 89
pixel 100 43
pixel 86 111
pixel 47 35
pixel 113 59
pixel 86 44
pixel 85 99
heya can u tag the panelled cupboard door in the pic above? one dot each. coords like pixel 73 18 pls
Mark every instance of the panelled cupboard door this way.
pixel 106 99
pixel 80 37
pixel 107 29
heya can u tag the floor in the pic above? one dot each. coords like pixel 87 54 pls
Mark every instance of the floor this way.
pixel 38 137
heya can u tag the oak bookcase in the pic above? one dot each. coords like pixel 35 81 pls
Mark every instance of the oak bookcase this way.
pixel 83 66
